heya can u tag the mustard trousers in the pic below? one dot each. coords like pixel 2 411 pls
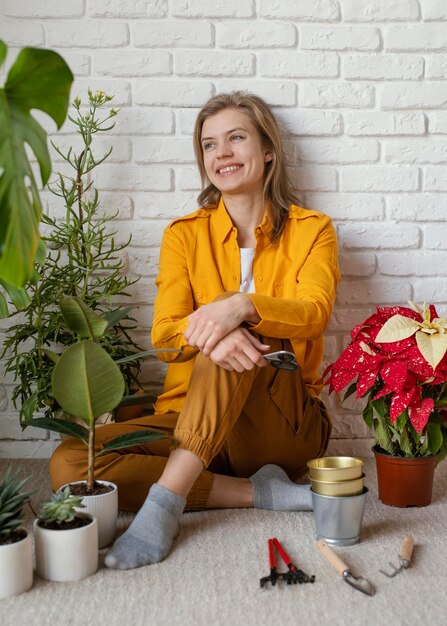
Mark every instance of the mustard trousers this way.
pixel 234 422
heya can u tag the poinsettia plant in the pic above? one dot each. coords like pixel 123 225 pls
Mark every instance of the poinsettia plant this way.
pixel 398 358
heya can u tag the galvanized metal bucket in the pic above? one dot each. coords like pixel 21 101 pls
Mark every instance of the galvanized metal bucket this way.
pixel 338 519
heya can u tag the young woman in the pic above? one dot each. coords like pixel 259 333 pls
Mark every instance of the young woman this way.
pixel 247 274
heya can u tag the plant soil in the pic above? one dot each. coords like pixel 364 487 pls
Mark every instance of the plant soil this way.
pixel 78 522
pixel 80 489
pixel 14 537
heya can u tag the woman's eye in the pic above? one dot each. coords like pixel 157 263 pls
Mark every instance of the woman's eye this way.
pixel 237 137
pixel 207 146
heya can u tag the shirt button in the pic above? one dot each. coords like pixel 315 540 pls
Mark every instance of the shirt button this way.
pixel 234 277
pixel 259 279
pixel 199 295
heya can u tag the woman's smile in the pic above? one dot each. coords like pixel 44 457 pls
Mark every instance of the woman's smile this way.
pixel 227 170
pixel 233 154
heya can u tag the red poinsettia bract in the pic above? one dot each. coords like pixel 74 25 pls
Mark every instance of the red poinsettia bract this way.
pixel 398 366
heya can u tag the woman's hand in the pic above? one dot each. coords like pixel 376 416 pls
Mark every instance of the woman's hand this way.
pixel 239 350
pixel 212 322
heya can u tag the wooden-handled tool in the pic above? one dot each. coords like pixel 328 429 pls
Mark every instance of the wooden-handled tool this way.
pixel 406 551
pixel 359 583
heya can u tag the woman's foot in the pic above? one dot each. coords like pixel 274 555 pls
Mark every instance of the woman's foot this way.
pixel 273 489
pixel 150 536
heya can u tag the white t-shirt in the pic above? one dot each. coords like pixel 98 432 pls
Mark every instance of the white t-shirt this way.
pixel 247 281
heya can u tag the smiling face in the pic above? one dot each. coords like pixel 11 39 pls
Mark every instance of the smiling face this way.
pixel 233 154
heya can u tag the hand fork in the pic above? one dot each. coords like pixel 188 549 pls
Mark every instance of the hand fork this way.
pixel 404 557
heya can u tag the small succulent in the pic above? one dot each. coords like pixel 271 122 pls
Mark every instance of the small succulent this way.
pixel 12 501
pixel 61 507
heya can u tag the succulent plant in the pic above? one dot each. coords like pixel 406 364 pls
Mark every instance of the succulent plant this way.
pixel 61 507
pixel 12 501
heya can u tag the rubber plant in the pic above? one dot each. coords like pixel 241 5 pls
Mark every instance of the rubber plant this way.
pixel 87 382
pixel 38 79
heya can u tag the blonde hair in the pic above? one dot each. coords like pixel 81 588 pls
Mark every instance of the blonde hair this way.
pixel 278 192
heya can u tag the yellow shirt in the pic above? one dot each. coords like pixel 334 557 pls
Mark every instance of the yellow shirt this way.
pixel 295 280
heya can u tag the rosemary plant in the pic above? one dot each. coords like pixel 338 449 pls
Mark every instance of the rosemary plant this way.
pixel 80 257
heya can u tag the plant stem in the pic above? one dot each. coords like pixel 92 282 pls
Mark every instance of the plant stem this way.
pixel 91 457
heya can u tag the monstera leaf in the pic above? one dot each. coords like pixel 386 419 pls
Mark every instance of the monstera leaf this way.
pixel 39 79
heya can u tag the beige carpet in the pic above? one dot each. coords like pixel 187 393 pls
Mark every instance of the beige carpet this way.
pixel 212 576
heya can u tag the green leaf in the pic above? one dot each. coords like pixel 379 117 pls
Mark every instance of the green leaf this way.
pixel 368 415
pixel 139 355
pixel 81 319
pixel 3 307
pixel 137 398
pixel 3 51
pixel 87 382
pixel 59 426
pixel 405 444
pixel 383 435
pixel 433 438
pixel 39 79
pixel 380 407
pixel 53 356
pixel 113 317
pixel 401 420
pixel 18 296
pixel 350 390
pixel 133 439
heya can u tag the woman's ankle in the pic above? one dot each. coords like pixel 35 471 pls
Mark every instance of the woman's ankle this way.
pixel 229 492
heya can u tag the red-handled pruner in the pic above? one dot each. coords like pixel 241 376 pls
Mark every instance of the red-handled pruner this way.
pixel 293 574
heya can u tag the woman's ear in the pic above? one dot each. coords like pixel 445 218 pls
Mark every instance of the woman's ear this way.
pixel 268 156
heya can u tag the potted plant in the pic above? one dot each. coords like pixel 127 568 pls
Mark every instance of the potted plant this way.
pixel 79 256
pixel 38 79
pixel 66 540
pixel 87 383
pixel 398 360
pixel 78 276
pixel 16 556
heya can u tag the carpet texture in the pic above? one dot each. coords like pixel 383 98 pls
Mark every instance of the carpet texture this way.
pixel 212 576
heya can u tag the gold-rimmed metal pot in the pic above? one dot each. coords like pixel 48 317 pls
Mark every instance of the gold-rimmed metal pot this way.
pixel 338 487
pixel 335 468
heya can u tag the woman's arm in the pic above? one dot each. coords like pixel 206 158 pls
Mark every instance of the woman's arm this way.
pixel 212 322
pixel 176 324
pixel 305 314
pixel 174 301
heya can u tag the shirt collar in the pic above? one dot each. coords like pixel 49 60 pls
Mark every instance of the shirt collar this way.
pixel 222 221
pixel 224 225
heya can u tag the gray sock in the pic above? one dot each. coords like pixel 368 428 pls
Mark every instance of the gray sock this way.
pixel 273 489
pixel 149 538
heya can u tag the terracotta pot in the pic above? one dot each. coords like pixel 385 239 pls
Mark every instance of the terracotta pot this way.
pixel 404 482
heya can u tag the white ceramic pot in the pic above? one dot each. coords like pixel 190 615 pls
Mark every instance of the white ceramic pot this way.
pixel 66 555
pixel 105 508
pixel 16 567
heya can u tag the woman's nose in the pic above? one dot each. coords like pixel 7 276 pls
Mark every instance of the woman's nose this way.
pixel 224 150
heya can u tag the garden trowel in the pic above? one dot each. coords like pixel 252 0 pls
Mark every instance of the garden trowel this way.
pixel 359 583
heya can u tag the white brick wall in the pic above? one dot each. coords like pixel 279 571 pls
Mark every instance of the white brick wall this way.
pixel 359 87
